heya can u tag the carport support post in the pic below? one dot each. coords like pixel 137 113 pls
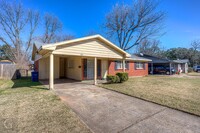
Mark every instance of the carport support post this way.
pixel 152 68
pixel 95 71
pixel 170 70
pixel 51 78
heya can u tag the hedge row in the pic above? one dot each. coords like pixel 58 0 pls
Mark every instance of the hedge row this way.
pixel 118 78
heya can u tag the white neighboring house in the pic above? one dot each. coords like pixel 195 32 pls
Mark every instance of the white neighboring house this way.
pixel 181 65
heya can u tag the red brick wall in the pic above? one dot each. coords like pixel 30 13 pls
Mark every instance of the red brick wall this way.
pixel 36 66
pixel 131 72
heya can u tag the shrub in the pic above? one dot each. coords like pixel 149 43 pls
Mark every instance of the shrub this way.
pixel 123 76
pixel 113 79
pixel 190 69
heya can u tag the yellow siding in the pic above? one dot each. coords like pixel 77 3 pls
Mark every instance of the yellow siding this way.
pixel 44 68
pixel 75 72
pixel 92 48
pixel 56 67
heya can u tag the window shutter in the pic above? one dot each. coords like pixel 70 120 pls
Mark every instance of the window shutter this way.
pixel 144 66
pixel 115 65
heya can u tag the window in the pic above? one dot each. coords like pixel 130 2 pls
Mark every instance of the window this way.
pixel 71 64
pixel 119 65
pixel 139 65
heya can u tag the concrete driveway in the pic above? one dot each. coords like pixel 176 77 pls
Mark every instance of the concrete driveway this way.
pixel 105 111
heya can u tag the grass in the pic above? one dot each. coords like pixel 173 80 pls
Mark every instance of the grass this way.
pixel 193 74
pixel 178 93
pixel 27 106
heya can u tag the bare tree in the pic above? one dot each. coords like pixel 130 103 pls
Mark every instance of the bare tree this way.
pixel 63 37
pixel 91 33
pixel 131 24
pixel 149 47
pixel 195 45
pixel 195 54
pixel 52 25
pixel 17 28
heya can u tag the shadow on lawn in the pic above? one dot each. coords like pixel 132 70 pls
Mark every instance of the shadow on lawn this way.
pixel 26 82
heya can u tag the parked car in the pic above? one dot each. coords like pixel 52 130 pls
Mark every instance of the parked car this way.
pixel 172 70
pixel 163 70
pixel 196 68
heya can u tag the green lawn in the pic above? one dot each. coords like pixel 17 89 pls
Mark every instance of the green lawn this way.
pixel 29 107
pixel 179 93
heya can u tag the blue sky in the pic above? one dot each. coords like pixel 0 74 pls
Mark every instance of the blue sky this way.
pixel 82 16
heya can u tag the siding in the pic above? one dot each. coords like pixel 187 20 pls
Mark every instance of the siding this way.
pixel 44 68
pixel 91 48
pixel 131 72
pixel 75 72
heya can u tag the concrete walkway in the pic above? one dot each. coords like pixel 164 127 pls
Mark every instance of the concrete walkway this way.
pixel 105 111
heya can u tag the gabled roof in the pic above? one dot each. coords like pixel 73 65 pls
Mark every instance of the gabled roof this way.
pixel 181 61
pixel 99 37
pixel 155 59
pixel 162 60
pixel 138 58
pixel 38 44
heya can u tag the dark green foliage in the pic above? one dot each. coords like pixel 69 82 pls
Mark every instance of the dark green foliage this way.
pixel 123 76
pixel 153 48
pixel 190 69
pixel 6 53
pixel 118 78
pixel 113 79
pixel 191 54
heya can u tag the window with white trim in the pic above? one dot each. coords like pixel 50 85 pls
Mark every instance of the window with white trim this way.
pixel 139 65
pixel 119 64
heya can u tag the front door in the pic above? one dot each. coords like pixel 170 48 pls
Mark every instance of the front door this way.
pixel 88 69
pixel 62 67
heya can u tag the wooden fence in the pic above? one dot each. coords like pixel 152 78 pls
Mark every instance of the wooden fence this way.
pixel 7 71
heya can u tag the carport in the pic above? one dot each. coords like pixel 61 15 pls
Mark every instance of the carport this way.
pixel 157 63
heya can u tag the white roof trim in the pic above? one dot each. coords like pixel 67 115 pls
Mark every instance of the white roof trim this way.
pixel 53 46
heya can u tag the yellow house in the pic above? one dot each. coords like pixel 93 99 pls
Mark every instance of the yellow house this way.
pixel 76 59
pixel 79 59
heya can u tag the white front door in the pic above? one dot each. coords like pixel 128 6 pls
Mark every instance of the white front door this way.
pixel 90 68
